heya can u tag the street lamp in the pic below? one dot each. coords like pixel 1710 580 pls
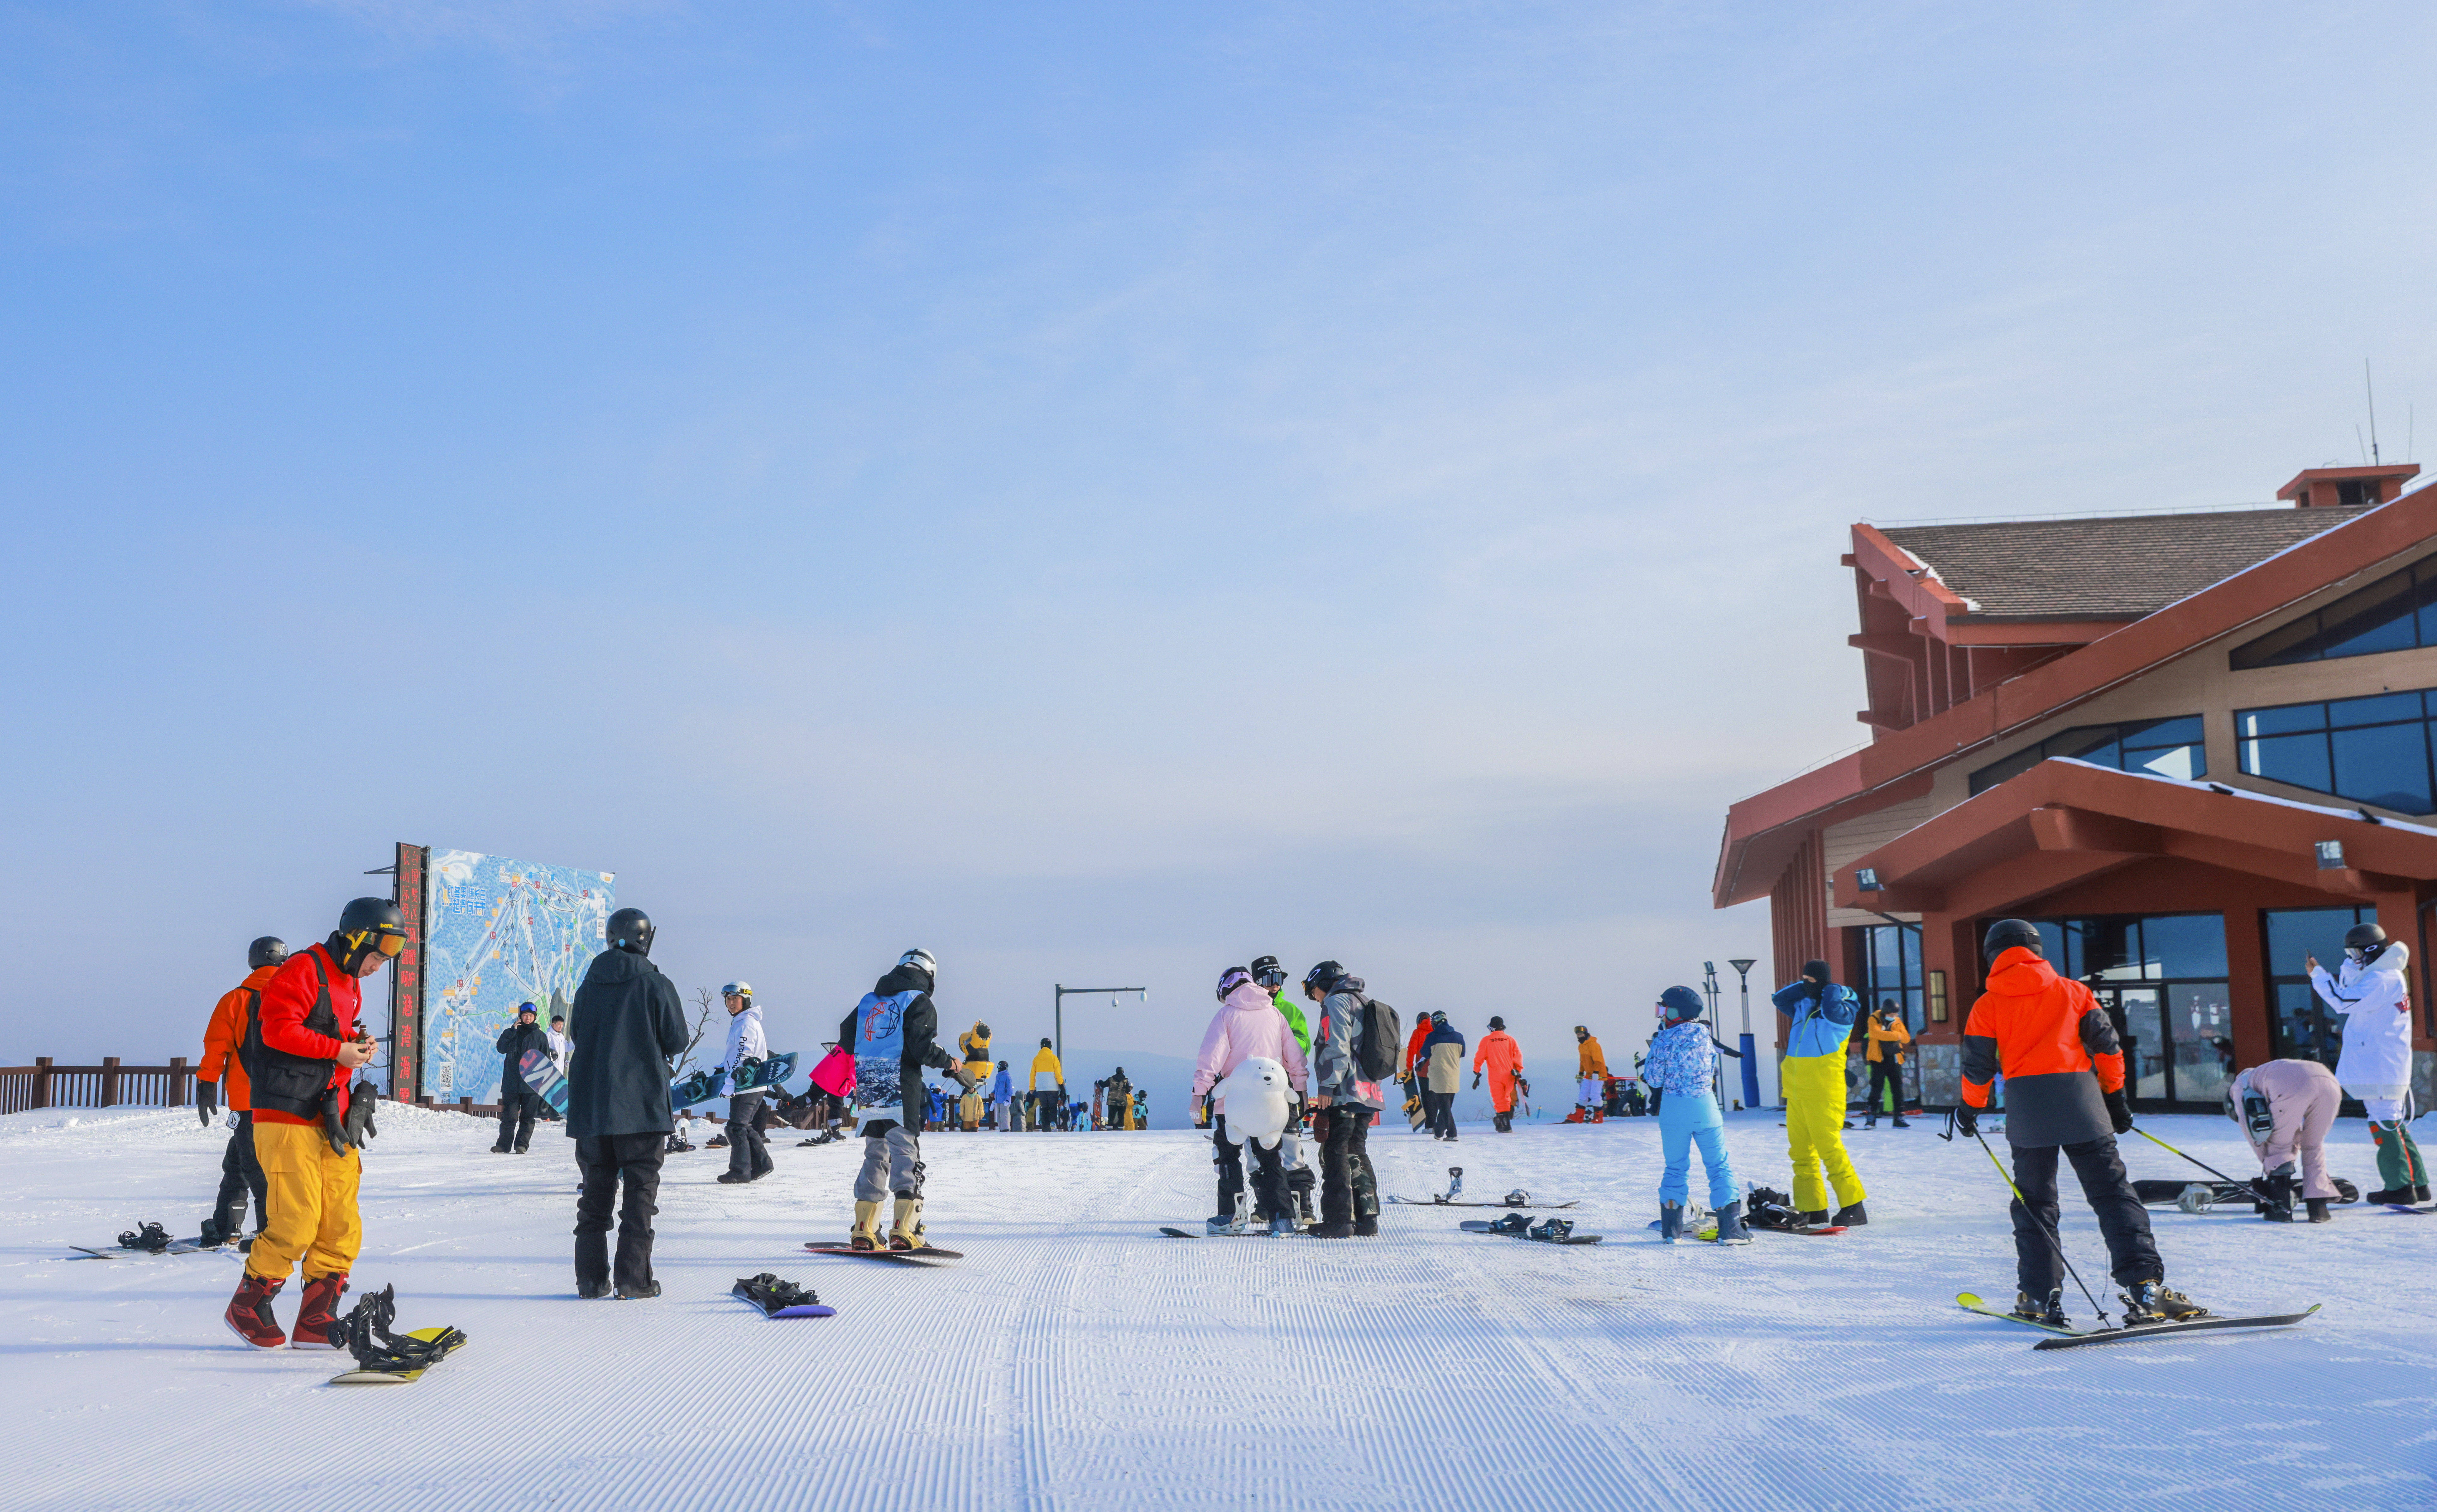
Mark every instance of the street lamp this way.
pixel 1751 1060
pixel 1057 1011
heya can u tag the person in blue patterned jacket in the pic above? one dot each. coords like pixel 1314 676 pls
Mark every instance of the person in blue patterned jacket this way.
pixel 1678 1071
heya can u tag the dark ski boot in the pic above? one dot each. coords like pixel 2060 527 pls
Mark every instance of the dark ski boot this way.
pixel 2156 1302
pixel 1671 1222
pixel 1852 1217
pixel 1730 1224
pixel 2317 1208
pixel 2047 1313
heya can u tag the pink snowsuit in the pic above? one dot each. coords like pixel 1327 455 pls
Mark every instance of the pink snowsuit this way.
pixel 1248 1024
pixel 2303 1095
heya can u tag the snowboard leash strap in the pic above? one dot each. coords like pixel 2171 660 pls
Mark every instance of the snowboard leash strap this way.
pixel 2053 1240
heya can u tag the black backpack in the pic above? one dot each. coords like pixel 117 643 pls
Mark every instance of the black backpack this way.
pixel 1379 1036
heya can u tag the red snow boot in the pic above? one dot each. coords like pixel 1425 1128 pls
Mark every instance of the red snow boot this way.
pixel 248 1313
pixel 318 1312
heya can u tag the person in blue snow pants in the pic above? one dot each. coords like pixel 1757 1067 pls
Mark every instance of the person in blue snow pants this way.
pixel 1677 1069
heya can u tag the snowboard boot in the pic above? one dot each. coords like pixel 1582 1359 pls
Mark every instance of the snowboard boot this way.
pixel 1671 1222
pixel 1901 1123
pixel 1730 1224
pixel 732 1179
pixel 318 1312
pixel 1331 1231
pixel 2047 1314
pixel 248 1313
pixel 1818 1220
pixel 209 1235
pixel 638 1293
pixel 1852 1217
pixel 905 1230
pixel 2156 1302
pixel 1870 1122
pixel 591 1265
pixel 2317 1208
pixel 2420 1194
pixel 1281 1226
pixel 499 1149
pixel 2392 1196
pixel 1366 1227
pixel 865 1232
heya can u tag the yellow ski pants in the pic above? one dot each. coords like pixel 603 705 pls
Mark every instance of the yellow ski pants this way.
pixel 311 1199
pixel 1814 1124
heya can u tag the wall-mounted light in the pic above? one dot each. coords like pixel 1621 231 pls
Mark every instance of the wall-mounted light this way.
pixel 2331 855
pixel 1866 879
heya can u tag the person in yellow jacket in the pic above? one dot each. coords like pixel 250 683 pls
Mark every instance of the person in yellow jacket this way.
pixel 1590 1085
pixel 1890 1041
pixel 1046 1100
pixel 975 1044
pixel 1819 1025
pixel 219 1081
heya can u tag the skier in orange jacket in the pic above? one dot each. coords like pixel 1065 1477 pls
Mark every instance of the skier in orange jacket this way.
pixel 1501 1059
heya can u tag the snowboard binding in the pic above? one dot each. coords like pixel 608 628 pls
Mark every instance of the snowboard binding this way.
pixel 1513 1224
pixel 773 1295
pixel 365 1332
pixel 1550 1230
pixel 150 1238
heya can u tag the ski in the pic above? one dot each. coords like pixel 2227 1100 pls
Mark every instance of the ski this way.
pixel 2145 1330
pixel 1249 1233
pixel 2409 1212
pixel 360 1377
pixel 926 1252
pixel 1971 1303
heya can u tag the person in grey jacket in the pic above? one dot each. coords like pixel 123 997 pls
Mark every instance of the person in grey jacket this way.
pixel 628 1024
pixel 1344 1105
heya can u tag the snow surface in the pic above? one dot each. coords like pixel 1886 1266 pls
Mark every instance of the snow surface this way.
pixel 1076 1360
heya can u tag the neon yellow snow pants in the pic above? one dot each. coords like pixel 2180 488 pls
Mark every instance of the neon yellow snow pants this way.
pixel 1814 1124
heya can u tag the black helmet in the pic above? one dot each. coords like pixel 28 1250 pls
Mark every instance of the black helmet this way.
pixel 1266 971
pixel 1324 974
pixel 366 925
pixel 630 930
pixel 268 951
pixel 2365 943
pixel 2006 934
pixel 1231 978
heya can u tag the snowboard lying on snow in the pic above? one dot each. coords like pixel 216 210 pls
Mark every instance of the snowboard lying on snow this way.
pixel 149 1239
pixel 1517 1198
pixel 1547 1231
pixel 2073 1338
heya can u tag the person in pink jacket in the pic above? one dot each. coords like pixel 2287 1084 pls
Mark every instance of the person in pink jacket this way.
pixel 2286 1109
pixel 1248 1024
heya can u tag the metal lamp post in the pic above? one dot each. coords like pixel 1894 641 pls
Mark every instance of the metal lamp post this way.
pixel 1057 1009
pixel 1751 1057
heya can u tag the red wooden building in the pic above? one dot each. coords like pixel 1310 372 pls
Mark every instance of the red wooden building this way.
pixel 2194 748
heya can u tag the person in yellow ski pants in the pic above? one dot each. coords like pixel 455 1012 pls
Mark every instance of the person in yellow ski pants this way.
pixel 1820 1016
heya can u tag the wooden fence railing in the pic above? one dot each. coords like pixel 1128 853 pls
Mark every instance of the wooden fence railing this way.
pixel 108 1084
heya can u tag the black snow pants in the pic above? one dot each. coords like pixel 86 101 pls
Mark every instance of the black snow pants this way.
pixel 518 1107
pixel 748 1148
pixel 1887 1076
pixel 1439 1108
pixel 2132 1255
pixel 1269 1175
pixel 240 1173
pixel 1348 1189
pixel 607 1160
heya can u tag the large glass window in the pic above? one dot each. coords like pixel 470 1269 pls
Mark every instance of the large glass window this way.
pixel 2169 748
pixel 2161 978
pixel 2371 750
pixel 1891 965
pixel 2305 1029
pixel 2396 612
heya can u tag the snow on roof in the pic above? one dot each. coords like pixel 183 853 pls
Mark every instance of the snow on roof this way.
pixel 2352 812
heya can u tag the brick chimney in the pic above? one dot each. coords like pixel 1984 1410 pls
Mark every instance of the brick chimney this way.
pixel 2347 487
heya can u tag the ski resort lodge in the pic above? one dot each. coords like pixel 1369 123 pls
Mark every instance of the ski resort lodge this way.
pixel 2194 748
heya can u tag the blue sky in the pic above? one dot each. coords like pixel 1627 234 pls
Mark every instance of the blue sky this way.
pixel 1100 491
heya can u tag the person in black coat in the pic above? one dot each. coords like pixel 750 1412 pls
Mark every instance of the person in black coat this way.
pixel 518 1103
pixel 628 1024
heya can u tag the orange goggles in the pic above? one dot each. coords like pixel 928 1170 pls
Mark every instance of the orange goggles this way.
pixel 388 943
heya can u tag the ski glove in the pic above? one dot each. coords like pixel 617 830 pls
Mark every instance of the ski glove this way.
pixel 1476 1081
pixel 2120 1111
pixel 361 1102
pixel 1656 1093
pixel 1966 1121
pixel 208 1100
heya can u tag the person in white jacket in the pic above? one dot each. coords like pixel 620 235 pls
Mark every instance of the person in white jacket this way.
pixel 2374 994
pixel 748 1152
pixel 560 1046
pixel 1248 1024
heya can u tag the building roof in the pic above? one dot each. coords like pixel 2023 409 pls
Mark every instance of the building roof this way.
pixel 2122 567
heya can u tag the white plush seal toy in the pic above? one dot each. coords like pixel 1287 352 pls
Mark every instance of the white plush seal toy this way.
pixel 1258 1102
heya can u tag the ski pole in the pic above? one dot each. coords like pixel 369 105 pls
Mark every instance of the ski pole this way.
pixel 2053 1240
pixel 2210 1169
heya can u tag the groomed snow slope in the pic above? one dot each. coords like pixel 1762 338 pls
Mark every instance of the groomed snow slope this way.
pixel 1076 1360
